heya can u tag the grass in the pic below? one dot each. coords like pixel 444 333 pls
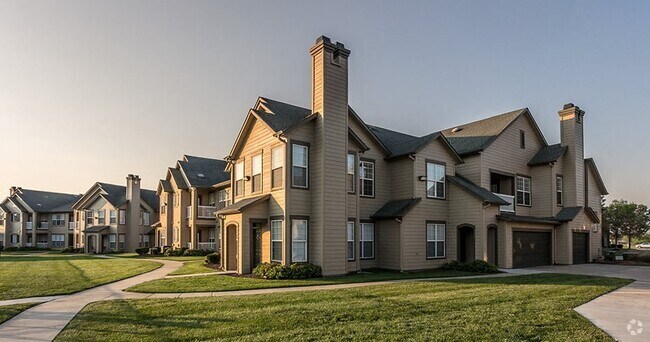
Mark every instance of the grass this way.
pixel 193 267
pixel 214 283
pixel 9 311
pixel 531 308
pixel 55 274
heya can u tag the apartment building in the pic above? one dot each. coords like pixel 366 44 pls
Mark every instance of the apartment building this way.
pixel 189 195
pixel 111 218
pixel 321 185
pixel 34 218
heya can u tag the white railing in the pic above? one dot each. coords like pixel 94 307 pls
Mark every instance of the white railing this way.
pixel 71 225
pixel 29 225
pixel 44 225
pixel 28 244
pixel 206 212
pixel 42 245
pixel 510 207
pixel 207 246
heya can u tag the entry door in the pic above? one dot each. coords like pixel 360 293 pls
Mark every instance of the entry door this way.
pixel 466 244
pixel 257 245
pixel 580 248
pixel 232 248
pixel 492 246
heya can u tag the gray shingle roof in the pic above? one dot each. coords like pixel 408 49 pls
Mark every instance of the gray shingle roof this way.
pixel 478 135
pixel 166 185
pixel 116 195
pixel 395 209
pixel 45 201
pixel 548 154
pixel 17 203
pixel 204 172
pixel 95 229
pixel 4 208
pixel 178 178
pixel 282 115
pixel 476 191
pixel 529 219
pixel 401 144
pixel 568 213
pixel 239 206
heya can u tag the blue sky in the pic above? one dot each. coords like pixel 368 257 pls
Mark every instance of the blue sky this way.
pixel 102 83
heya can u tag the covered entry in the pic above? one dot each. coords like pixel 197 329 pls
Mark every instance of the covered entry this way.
pixel 531 248
pixel 466 243
pixel 580 248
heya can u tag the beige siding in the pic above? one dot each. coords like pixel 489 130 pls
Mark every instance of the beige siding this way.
pixel 388 242
pixel 543 191
pixel 402 179
pixel 471 168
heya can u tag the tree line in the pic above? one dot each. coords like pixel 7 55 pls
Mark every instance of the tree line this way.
pixel 626 219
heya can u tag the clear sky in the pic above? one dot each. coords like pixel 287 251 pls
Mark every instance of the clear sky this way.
pixel 93 90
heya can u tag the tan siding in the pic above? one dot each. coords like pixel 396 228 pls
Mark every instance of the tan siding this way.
pixel 471 168
pixel 388 244
pixel 543 191
pixel 402 179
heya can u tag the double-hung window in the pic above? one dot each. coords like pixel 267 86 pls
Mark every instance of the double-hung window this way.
pixel 277 163
pixel 350 240
pixel 257 173
pixel 15 217
pixel 435 240
pixel 224 197
pixel 146 218
pixel 367 240
pixel 435 180
pixel 351 179
pixel 89 217
pixel 299 240
pixel 367 177
pixel 101 216
pixel 58 220
pixel 212 199
pixel 58 240
pixel 112 219
pixel 239 179
pixel 523 191
pixel 15 238
pixel 111 241
pixel 276 240
pixel 121 241
pixel 559 190
pixel 300 166
pixel 122 216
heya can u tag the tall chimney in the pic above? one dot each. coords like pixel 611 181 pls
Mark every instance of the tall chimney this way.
pixel 132 212
pixel 329 151
pixel 572 136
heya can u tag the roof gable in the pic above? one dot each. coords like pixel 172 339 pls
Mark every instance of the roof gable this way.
pixel 402 144
pixel 591 165
pixel 46 201
pixel 202 172
pixel 548 154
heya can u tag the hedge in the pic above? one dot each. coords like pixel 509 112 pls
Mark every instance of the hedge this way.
pixel 292 271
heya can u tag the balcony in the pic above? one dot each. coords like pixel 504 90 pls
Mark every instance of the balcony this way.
pixel 206 212
pixel 29 225
pixel 207 246
pixel 510 207
pixel 43 225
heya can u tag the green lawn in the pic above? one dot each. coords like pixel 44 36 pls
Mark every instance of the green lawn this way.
pixel 52 274
pixel 193 267
pixel 231 283
pixel 6 312
pixel 520 308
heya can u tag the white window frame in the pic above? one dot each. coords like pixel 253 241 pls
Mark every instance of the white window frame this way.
pixel 239 179
pixel 524 191
pixel 277 163
pixel 351 173
pixel 146 217
pixel 58 220
pixel 366 237
pixel 294 165
pixel 434 171
pixel 559 190
pixel 90 217
pixel 364 177
pixel 297 243
pixel 350 246
pixel 256 171
pixel 275 225
pixel 57 240
pixel 212 199
pixel 122 216
pixel 15 238
pixel 112 216
pixel 112 241
pixel 121 241
pixel 101 216
pixel 224 198
pixel 436 233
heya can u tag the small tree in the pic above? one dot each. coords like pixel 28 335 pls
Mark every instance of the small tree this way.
pixel 623 218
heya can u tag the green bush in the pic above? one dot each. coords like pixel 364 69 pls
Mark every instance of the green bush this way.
pixel 142 251
pixel 72 250
pixel 11 249
pixel 292 271
pixel 476 266
pixel 196 252
pixel 154 250
pixel 175 251
pixel 212 258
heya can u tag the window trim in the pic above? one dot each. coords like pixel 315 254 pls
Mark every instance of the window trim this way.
pixel 298 218
pixel 354 173
pixel 121 216
pixel 260 174
pixel 361 240
pixel 101 215
pixel 283 149
pixel 530 192
pixel 522 139
pixel 121 245
pixel 242 179
pixel 276 241
pixel 374 177
pixel 347 240
pixel 560 191
pixel 92 217
pixel 444 181
pixel 308 147
pixel 112 216
pixel 112 235
pixel 426 239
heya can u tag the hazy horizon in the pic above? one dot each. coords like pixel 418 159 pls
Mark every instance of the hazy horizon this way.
pixel 95 90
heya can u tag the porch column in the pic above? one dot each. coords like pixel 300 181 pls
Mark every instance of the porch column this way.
pixel 194 212
pixel 34 227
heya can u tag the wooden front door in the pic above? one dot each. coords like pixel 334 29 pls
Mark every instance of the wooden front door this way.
pixel 232 248
pixel 257 246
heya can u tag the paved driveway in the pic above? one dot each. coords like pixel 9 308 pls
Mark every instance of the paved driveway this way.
pixel 624 313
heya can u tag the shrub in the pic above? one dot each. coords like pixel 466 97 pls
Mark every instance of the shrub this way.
pixel 212 258
pixel 142 251
pixel 11 249
pixel 72 250
pixel 154 250
pixel 292 271
pixel 476 266
pixel 175 252
pixel 196 252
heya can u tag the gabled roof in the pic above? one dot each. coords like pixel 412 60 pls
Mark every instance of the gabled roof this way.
pixel 203 172
pixel 476 136
pixel 592 214
pixel 528 219
pixel 4 207
pixel 241 205
pixel 279 116
pixel 548 154
pixel 164 186
pixel 395 209
pixel 402 144
pixel 476 191
pixel 116 195
pixel 96 229
pixel 178 178
pixel 17 203
pixel 46 201
pixel 568 214
pixel 590 163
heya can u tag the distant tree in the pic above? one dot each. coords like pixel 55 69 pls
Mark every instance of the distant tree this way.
pixel 623 218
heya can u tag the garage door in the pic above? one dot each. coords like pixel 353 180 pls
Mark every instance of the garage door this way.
pixel 580 248
pixel 531 249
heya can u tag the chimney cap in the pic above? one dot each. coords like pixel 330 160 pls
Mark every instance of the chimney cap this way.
pixel 568 105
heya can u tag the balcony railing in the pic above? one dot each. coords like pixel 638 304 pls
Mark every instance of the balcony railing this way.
pixel 43 225
pixel 29 225
pixel 42 245
pixel 510 207
pixel 206 212
pixel 207 246
pixel 71 225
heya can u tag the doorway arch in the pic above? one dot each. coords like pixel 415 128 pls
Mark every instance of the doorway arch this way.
pixel 466 243
pixel 232 247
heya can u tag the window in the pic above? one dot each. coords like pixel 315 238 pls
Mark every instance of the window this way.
pixel 2 219
pixel 367 240
pixel 276 240
pixel 163 209
pixel 15 238
pixel 89 217
pixel 175 234
pixel 257 173
pixel 140 217
pixel 58 240
pixel 15 217
pixel 350 244
pixel 211 235
pixel 144 241
pixel 122 216
pixel 146 217
pixel 163 241
pixel 523 190
pixel 559 189
pixel 300 166
pixel 112 217
pixel 351 166
pixel 101 217
pixel 224 197
pixel 212 199
pixel 435 240
pixel 522 139
pixel 121 241
pixel 299 241
pixel 239 179
pixel 277 163
pixel 111 241
pixel 58 220
pixel 435 180
pixel 367 176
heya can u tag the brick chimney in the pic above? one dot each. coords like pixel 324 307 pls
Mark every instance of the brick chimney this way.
pixel 329 151
pixel 572 136
pixel 132 212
